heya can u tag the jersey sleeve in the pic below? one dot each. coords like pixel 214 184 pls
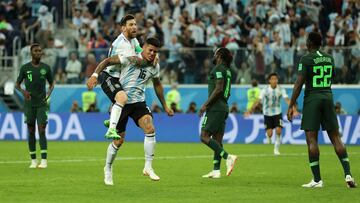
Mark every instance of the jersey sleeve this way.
pixel 49 75
pixel 21 75
pixel 283 93
pixel 124 60
pixel 302 66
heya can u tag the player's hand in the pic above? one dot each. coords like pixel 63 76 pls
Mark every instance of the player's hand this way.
pixel 169 112
pixel 156 60
pixel 91 83
pixel 202 110
pixel 27 95
pixel 290 114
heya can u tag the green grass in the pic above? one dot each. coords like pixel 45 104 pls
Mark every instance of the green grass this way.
pixel 75 174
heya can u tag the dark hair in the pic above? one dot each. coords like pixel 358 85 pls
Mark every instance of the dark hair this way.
pixel 225 55
pixel 126 18
pixel 273 74
pixel 315 39
pixel 34 45
pixel 153 41
pixel 254 83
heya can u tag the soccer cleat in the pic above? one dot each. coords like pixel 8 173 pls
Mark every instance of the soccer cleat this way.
pixel 107 123
pixel 108 180
pixel 350 182
pixel 150 172
pixel 276 152
pixel 112 134
pixel 313 184
pixel 230 163
pixel 34 163
pixel 43 163
pixel 213 174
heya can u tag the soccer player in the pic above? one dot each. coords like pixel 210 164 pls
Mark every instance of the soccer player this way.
pixel 316 70
pixel 135 74
pixel 270 97
pixel 35 74
pixel 217 110
pixel 125 44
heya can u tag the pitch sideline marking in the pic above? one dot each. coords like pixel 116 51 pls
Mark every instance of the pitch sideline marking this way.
pixel 167 157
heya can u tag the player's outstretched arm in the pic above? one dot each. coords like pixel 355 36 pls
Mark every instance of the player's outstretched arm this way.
pixel 295 94
pixel 159 90
pixel 218 91
pixel 114 60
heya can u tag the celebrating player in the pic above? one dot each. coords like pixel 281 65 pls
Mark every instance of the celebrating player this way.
pixel 35 74
pixel 316 71
pixel 217 110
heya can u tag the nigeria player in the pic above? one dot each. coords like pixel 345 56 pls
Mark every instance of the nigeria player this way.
pixel 270 98
pixel 125 44
pixel 133 78
pixel 217 110
pixel 316 70
pixel 35 74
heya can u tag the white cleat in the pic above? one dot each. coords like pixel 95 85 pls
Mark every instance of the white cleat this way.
pixel 276 152
pixel 230 163
pixel 108 180
pixel 314 184
pixel 34 163
pixel 43 163
pixel 213 174
pixel 350 181
pixel 150 172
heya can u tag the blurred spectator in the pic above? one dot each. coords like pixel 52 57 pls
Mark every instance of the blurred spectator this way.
pixel 252 94
pixel 192 108
pixel 73 69
pixel 60 76
pixel 92 108
pixel 45 24
pixel 152 8
pixel 339 110
pixel 90 65
pixel 174 108
pixel 50 53
pixel 173 96
pixel 88 98
pixel 155 108
pixel 75 107
pixel 287 63
pixel 169 32
pixel 244 74
pixel 234 108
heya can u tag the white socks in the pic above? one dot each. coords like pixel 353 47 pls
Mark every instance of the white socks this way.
pixel 110 155
pixel 149 148
pixel 277 142
pixel 115 115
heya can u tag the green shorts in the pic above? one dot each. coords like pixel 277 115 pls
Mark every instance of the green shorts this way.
pixel 318 112
pixel 39 114
pixel 214 122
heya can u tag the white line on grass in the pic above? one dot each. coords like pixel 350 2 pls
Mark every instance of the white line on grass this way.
pixel 167 157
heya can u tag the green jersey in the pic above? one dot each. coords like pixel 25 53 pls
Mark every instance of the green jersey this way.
pixel 220 72
pixel 318 69
pixel 35 82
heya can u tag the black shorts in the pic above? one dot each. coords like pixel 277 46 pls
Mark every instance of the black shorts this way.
pixel 135 111
pixel 110 85
pixel 272 122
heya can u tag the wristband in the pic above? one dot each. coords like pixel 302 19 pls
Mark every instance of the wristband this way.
pixel 95 75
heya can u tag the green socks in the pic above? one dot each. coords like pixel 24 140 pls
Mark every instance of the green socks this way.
pixel 43 145
pixel 344 159
pixel 217 148
pixel 32 146
pixel 315 168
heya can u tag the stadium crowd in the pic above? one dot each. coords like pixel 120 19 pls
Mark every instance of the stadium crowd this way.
pixel 265 35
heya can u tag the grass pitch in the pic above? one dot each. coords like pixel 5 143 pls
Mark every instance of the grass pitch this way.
pixel 75 174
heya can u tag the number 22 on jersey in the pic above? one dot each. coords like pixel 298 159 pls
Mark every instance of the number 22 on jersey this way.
pixel 323 76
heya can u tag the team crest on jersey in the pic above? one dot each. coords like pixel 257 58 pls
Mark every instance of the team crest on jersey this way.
pixel 43 71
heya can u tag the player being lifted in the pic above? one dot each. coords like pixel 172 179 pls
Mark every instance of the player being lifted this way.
pixel 35 74
pixel 270 98
pixel 217 110
pixel 125 44
pixel 316 70
pixel 134 77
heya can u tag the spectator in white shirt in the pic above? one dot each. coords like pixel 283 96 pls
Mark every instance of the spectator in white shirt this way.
pixel 73 69
pixel 152 9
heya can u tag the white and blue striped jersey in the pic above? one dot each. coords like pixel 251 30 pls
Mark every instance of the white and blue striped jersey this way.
pixel 271 100
pixel 134 79
pixel 124 47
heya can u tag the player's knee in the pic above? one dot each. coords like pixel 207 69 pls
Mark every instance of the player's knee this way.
pixel 119 142
pixel 204 138
pixel 121 97
pixel 31 129
pixel 149 129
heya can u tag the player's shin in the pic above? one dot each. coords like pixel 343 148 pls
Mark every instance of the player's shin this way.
pixel 32 145
pixel 149 149
pixel 115 115
pixel 110 155
pixel 315 168
pixel 43 144
pixel 344 159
